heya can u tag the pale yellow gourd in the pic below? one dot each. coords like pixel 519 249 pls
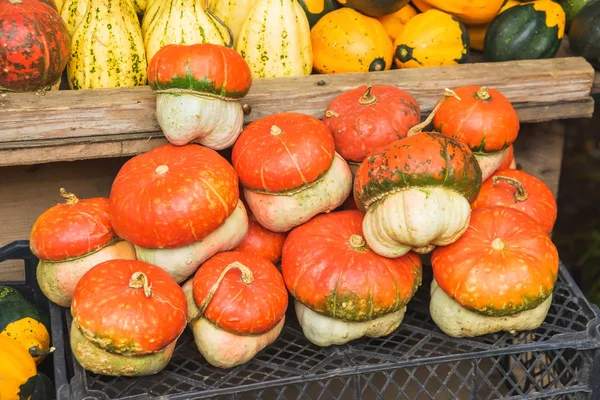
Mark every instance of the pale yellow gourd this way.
pixel 233 13
pixel 72 12
pixel 107 49
pixel 181 22
pixel 275 40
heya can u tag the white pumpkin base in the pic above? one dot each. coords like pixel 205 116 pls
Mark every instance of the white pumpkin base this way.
pixel 456 321
pixel 182 262
pixel 186 118
pixel 326 331
pixel 99 361
pixel 57 280
pixel 489 162
pixel 415 218
pixel 282 213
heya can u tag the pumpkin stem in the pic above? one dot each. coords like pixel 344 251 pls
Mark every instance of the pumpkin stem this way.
pixel 276 131
pixel 247 109
pixel 417 128
pixel 330 114
pixel 482 94
pixel 367 98
pixel 140 280
pixel 521 194
pixel 70 198
pixel 498 244
pixel 213 16
pixel 357 242
pixel 247 278
pixel 161 169
pixel 35 351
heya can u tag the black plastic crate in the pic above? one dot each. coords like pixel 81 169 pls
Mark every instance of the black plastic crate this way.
pixel 559 360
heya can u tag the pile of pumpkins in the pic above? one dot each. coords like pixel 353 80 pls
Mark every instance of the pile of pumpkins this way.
pixel 110 44
pixel 334 212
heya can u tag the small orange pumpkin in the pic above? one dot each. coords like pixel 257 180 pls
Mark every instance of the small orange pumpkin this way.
pixel 347 41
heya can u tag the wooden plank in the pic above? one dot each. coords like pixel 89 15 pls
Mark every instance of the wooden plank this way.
pixel 124 118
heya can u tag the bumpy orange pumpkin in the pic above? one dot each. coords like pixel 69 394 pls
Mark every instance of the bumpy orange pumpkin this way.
pixel 347 41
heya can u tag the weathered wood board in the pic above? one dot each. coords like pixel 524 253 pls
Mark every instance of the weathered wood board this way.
pixel 102 123
pixel 25 192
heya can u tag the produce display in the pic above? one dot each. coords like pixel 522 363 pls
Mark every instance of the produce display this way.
pixel 70 239
pixel 237 303
pixel 498 276
pixel 127 317
pixel 178 206
pixel 198 90
pixel 22 322
pixel 342 289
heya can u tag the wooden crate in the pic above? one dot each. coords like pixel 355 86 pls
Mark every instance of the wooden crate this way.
pixel 80 139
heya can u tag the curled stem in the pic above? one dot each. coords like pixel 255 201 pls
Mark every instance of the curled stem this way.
pixel 417 128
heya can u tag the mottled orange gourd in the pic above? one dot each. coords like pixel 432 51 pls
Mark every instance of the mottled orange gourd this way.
pixel 503 264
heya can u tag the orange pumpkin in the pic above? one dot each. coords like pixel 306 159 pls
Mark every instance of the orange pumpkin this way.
pixel 262 242
pixel 521 191
pixel 347 41
pixel 509 161
pixel 503 264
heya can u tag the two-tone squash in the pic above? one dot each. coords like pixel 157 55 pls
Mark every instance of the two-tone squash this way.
pixel 127 317
pixel 416 192
pixel 35 46
pixel 22 322
pixel 347 41
pixel 499 276
pixel 431 39
pixel 178 205
pixel 275 40
pixel 182 22
pixel 237 303
pixel 317 9
pixel 343 290
pixel 107 49
pixel 468 11
pixel 483 119
pixel 199 88
pixel 374 8
pixel 71 238
pixel 289 170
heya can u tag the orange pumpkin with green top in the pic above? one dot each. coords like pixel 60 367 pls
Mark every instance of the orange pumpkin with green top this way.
pixel 484 120
pixel 347 41
pixel 499 276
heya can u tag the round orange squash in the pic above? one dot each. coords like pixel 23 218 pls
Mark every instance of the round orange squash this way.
pixel 394 23
pixel 347 41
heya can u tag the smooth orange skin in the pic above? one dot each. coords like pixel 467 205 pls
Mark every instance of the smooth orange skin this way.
pixel 107 308
pixel 179 207
pixel 220 66
pixel 262 242
pixel 68 231
pixel 320 267
pixel 507 163
pixel 236 307
pixel 484 125
pixel 479 277
pixel 299 155
pixel 359 129
pixel 418 160
pixel 540 203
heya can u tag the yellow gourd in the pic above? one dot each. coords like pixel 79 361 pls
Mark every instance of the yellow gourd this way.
pixel 275 40
pixel 72 12
pixel 233 13
pixel 394 23
pixel 433 38
pixel 475 12
pixel 107 49
pixel 347 41
pixel 181 22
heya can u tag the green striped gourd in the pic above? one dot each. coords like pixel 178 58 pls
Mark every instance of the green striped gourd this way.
pixel 233 13
pixel 275 40
pixel 181 22
pixel 107 49
pixel 72 13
